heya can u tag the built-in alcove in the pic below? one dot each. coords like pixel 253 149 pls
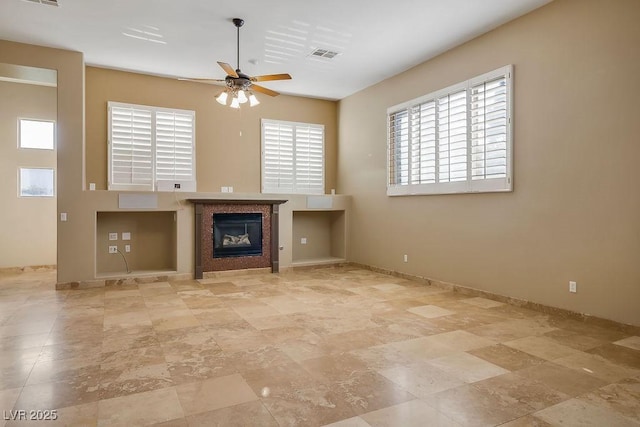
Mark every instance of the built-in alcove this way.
pixel 152 243
pixel 318 237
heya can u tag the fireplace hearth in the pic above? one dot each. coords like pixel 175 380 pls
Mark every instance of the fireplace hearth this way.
pixel 237 234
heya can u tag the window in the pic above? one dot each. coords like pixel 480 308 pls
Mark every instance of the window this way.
pixel 37 182
pixel 151 148
pixel 39 134
pixel 292 157
pixel 456 140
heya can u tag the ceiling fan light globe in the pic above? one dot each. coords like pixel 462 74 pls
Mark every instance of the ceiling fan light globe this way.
pixel 242 98
pixel 253 101
pixel 222 98
pixel 235 103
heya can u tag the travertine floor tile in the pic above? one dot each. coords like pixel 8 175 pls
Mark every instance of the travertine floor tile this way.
pixel 622 397
pixel 597 366
pixel 242 415
pixel 631 342
pixel 216 393
pixel 415 413
pixel 482 302
pixel 532 393
pixel 421 379
pixel 467 367
pixel 146 408
pixel 565 380
pixel 430 311
pixel 338 345
pixel 542 347
pixel 506 357
pixel 469 406
pixel 578 413
pixel 349 422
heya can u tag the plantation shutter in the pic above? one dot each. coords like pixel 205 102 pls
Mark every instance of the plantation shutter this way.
pixel 309 143
pixel 423 143
pixel 399 148
pixel 131 148
pixel 174 146
pixel 292 157
pixel 455 140
pixel 489 129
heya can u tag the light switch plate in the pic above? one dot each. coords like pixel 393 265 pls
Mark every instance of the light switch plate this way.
pixel 126 235
pixel 113 236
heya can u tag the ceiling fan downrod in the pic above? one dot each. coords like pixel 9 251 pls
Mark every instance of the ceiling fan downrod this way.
pixel 238 23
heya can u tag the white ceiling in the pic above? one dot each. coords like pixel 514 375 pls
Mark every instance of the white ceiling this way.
pixel 376 39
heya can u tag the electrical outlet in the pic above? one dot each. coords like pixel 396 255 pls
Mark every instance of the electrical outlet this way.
pixel 113 236
pixel 92 186
pixel 63 216
pixel 573 287
pixel 230 189
pixel 406 258
pixel 303 241
pixel 127 248
pixel 113 249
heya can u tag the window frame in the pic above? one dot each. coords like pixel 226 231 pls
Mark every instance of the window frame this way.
pixel 468 185
pixel 32 196
pixel 53 136
pixel 156 185
pixel 294 190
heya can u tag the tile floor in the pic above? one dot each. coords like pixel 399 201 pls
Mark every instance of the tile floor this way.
pixel 334 346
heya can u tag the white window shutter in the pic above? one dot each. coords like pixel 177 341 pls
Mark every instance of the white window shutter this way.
pixel 309 159
pixel 131 149
pixel 174 146
pixel 399 148
pixel 454 140
pixel 452 137
pixel 277 163
pixel 292 157
pixel 489 129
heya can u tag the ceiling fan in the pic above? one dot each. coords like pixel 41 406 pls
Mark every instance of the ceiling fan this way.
pixel 239 85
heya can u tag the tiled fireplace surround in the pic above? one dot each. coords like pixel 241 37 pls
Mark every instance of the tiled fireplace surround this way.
pixel 204 211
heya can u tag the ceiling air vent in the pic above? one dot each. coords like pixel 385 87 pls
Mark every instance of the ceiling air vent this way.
pixel 324 53
pixel 48 2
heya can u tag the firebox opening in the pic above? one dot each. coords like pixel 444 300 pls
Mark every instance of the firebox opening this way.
pixel 237 234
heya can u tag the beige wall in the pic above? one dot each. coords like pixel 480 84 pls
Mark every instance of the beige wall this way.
pixel 227 140
pixel 27 224
pixel 75 241
pixel 77 244
pixel 574 213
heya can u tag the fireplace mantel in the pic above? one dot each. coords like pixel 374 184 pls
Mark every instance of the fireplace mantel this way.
pixel 236 202
pixel 204 245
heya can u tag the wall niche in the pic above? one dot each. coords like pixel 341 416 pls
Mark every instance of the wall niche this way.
pixel 152 243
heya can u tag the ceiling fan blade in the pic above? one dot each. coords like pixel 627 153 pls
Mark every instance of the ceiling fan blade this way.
pixel 268 77
pixel 228 69
pixel 264 90
pixel 207 81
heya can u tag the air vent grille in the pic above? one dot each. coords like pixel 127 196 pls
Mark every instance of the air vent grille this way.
pixel 324 53
pixel 47 2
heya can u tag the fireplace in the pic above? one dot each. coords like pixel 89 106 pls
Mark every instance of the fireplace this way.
pixel 237 234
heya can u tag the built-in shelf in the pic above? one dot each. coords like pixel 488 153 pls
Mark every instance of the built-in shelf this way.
pixel 318 261
pixel 152 243
pixel 318 237
pixel 136 274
